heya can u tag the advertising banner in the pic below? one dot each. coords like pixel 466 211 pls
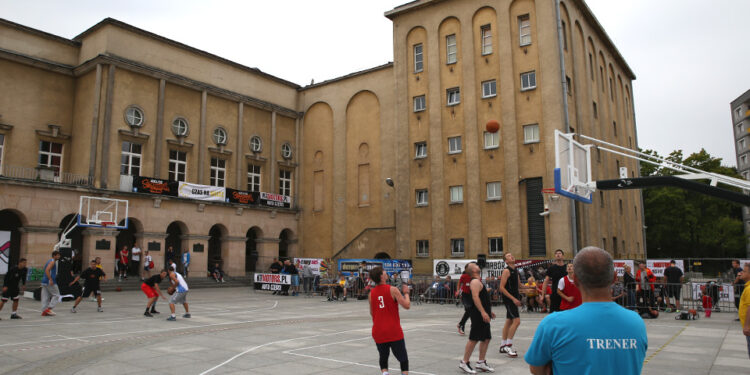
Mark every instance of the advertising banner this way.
pixel 154 186
pixel 242 197
pixel 4 251
pixel 202 192
pixel 271 281
pixel 726 292
pixel 275 200
pixel 399 267
pixel 319 265
pixel 743 262
pixel 455 267
pixel 620 267
pixel 657 266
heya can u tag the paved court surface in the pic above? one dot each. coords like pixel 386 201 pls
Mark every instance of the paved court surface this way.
pixel 237 331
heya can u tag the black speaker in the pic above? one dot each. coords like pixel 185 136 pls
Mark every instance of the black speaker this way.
pixel 481 260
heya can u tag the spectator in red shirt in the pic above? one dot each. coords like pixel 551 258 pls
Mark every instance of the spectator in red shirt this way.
pixel 463 287
pixel 122 263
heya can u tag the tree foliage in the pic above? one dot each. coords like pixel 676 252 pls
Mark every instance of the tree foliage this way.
pixel 686 224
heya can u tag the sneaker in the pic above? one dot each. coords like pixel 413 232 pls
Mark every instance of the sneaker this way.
pixel 187 315
pixel 148 314
pixel 466 367
pixel 510 352
pixel 344 298
pixel 172 319
pixel 484 366
pixel 99 309
pixel 73 310
pixel 48 312
pixel 15 316
pixel 460 330
pixel 668 310
pixel 154 311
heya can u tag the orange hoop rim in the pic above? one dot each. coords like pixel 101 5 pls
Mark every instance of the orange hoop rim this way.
pixel 107 223
pixel 548 191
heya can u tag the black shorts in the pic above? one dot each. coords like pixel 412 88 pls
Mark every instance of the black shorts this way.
pixel 511 310
pixel 674 291
pixel 480 330
pixel 88 290
pixel 10 294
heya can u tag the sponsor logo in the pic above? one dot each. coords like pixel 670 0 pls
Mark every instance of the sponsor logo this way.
pixel 442 268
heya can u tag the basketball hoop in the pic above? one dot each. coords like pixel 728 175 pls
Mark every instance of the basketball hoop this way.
pixel 551 201
pixel 105 224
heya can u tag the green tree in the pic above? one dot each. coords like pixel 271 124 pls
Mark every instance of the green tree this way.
pixel 682 223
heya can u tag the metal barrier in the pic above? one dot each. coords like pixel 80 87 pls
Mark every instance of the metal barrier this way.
pixel 45 174
pixel 717 296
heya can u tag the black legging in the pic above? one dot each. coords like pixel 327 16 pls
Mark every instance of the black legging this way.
pixel 399 351
pixel 466 300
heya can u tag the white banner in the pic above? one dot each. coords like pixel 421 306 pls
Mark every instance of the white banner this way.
pixel 202 192
pixel 318 265
pixel 620 267
pixel 743 262
pixel 4 251
pixel 657 266
pixel 726 292
pixel 455 267
pixel 273 278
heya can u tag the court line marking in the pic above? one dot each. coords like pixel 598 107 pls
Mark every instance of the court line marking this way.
pixel 357 364
pixel 665 344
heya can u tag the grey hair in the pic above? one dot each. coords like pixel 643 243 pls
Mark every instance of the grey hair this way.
pixel 593 268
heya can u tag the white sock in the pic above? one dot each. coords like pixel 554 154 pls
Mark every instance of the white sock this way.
pixel 172 315
pixel 14 312
pixel 510 342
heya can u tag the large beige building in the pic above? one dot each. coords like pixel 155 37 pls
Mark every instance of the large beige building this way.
pixel 117 102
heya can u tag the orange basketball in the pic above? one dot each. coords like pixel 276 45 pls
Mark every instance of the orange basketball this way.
pixel 118 289
pixel 493 126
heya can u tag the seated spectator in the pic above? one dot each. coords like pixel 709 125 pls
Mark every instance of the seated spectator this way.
pixel 343 284
pixel 432 293
pixel 217 273
pixel 447 290
pixel 531 293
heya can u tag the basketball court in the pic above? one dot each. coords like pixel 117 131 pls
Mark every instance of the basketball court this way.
pixel 239 331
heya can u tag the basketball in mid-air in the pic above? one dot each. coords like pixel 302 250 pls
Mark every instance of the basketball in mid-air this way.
pixel 493 126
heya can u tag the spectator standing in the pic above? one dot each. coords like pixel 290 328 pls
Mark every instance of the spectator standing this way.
pixel 147 265
pixel 386 323
pixel 14 284
pixel 50 290
pixel 629 282
pixel 744 308
pixel 481 314
pixel 307 278
pixel 122 263
pixel 644 286
pixel 555 272
pixel 292 270
pixel 739 285
pixel 135 257
pixel 673 278
pixel 186 262
pixel 275 268
pixel 169 254
pixel 599 337
pixel 568 291
pixel 510 288
pixel 618 292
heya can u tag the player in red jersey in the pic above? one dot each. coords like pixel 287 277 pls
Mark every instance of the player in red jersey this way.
pixel 386 324
pixel 464 283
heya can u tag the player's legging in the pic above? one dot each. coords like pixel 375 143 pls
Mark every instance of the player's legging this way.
pixel 466 300
pixel 399 351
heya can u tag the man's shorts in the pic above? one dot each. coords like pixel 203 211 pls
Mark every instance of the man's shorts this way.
pixel 87 292
pixel 512 310
pixel 295 280
pixel 673 291
pixel 150 291
pixel 178 298
pixel 480 330
pixel 10 294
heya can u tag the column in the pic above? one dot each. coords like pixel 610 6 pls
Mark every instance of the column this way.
pixel 100 242
pixel 233 253
pixel 198 246
pixel 95 121
pixel 159 131
pixel 37 244
pixel 268 248
pixel 103 178
pixel 202 140
pixel 272 175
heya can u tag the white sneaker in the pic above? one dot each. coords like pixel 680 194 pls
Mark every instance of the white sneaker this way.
pixel 466 367
pixel 73 310
pixel 510 351
pixel 484 367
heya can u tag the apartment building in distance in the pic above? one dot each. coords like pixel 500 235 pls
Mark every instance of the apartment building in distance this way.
pixel 740 108
pixel 95 114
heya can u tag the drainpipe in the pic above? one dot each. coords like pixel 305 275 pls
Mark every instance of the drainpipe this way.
pixel 564 85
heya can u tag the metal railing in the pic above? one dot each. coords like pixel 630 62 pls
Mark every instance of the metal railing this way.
pixel 46 175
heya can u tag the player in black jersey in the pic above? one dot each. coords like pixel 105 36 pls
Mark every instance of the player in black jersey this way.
pixel 13 285
pixel 510 286
pixel 91 277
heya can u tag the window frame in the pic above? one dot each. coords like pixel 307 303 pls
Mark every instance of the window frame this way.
pixel 422 193
pixel 460 190
pixel 216 135
pixel 420 146
pixel 128 116
pixel 252 175
pixel 526 140
pixel 741 143
pixel 738 113
pixel 423 248
pixel 130 155
pixel 174 165
pixel 457 243
pixel 286 151
pixel 451 144
pixel 453 96
pixel 495 137
pixel 50 154
pixel 218 172
pixel 251 143
pixel 419 99
pixel 743 159
pixel 486 39
pixel 524 30
pixel 491 85
pixel 175 127
pixel 451 49
pixel 285 182
pixel 499 192
pixel 418 62
pixel 530 75
pixel 498 244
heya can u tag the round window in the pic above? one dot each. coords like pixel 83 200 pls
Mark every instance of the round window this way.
pixel 220 136
pixel 256 144
pixel 134 117
pixel 180 127
pixel 286 151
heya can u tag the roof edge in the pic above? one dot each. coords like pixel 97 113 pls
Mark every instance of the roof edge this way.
pixel 123 25
pixel 40 33
pixel 589 16
pixel 408 7
pixel 350 75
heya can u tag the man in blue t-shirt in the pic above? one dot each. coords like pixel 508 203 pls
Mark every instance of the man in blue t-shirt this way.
pixel 568 343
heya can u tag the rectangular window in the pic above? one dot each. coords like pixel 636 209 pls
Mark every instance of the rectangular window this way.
pixel 614 127
pixel 177 165
pixel 486 40
pixel 614 245
pixel 253 178
pixel 457 194
pixel 418 58
pixel 423 248
pixel 454 145
pixel 420 150
pixel 591 66
pixel 565 36
pixel 627 108
pixel 528 81
pixel 495 246
pixel 489 89
pixel 604 243
pixel 611 90
pixel 422 197
pixel 130 161
pixel 318 191
pixel 531 133
pixel 524 29
pixel 746 175
pixel 453 96
pixel 743 159
pixel 218 172
pixel 50 155
pixel 620 202
pixel 457 247
pixel 741 143
pixel 285 183
pixel 601 199
pixel 568 86
pixel 738 113
pixel 419 103
pixel 2 143
pixel 601 75
pixel 493 191
pixel 596 112
pixel 450 47
pixel 491 140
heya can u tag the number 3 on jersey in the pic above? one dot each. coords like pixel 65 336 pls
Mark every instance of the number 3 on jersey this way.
pixel 382 303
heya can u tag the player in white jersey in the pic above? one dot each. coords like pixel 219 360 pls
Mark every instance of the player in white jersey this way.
pixel 180 289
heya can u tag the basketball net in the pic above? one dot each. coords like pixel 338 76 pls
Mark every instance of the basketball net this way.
pixel 552 202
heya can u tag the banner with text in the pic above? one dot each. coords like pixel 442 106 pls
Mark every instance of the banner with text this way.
pixel 154 186
pixel 726 292
pixel 620 266
pixel 455 267
pixel 319 266
pixel 657 266
pixel 242 197
pixel 202 192
pixel 271 281
pixel 400 267
pixel 275 200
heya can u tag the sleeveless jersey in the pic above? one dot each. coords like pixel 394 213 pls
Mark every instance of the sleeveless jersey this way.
pixel 512 285
pixel 386 324
pixel 571 291
pixel 52 272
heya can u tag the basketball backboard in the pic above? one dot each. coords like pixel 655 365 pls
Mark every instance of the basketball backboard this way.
pixel 573 168
pixel 103 212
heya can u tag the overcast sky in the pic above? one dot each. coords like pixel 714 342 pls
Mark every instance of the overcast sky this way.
pixel 690 57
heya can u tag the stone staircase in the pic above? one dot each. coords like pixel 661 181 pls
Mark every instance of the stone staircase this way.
pixel 134 283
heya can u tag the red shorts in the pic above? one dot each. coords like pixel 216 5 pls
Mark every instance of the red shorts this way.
pixel 150 291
